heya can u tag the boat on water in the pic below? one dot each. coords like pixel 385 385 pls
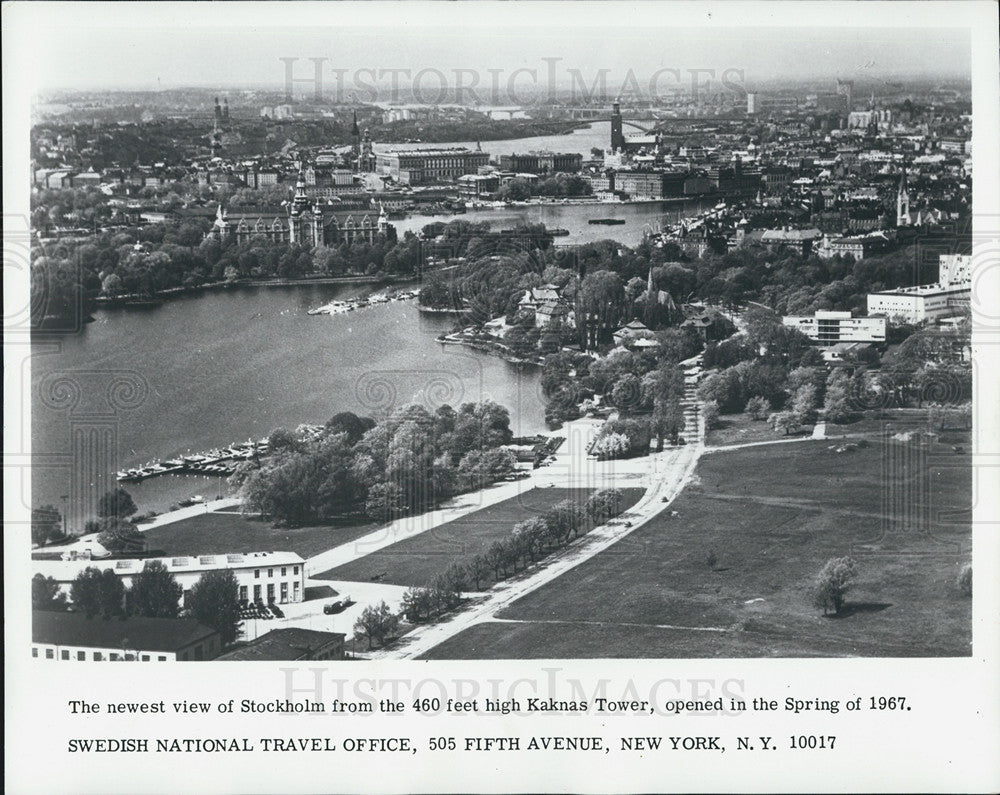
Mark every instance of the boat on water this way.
pixel 607 221
pixel 558 232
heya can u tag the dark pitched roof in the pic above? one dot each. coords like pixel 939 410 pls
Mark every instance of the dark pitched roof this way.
pixel 146 634
pixel 291 643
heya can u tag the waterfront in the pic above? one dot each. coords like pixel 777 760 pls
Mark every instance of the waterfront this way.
pixel 639 217
pixel 226 365
pixel 580 140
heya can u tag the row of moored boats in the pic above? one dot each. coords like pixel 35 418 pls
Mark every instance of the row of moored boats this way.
pixel 341 307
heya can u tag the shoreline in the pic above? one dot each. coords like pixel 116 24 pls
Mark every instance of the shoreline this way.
pixel 135 302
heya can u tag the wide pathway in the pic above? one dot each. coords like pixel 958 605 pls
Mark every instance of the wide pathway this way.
pixel 663 474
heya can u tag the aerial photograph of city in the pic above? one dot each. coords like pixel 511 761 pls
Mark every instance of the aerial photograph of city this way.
pixel 555 345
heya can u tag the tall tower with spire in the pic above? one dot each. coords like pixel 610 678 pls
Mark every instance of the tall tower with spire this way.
pixel 617 136
pixel 304 224
pixel 902 201
pixel 355 140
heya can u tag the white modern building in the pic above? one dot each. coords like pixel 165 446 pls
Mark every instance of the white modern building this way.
pixel 268 577
pixel 831 328
pixel 948 296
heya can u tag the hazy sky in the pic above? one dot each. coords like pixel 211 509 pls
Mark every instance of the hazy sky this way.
pixel 229 44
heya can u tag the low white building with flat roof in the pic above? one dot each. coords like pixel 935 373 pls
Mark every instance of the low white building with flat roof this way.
pixel 268 577
pixel 948 296
pixel 831 328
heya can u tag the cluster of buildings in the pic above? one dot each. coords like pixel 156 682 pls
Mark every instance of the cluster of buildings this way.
pixel 265 581
pixel 950 295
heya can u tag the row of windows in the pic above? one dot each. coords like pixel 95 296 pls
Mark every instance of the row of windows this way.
pixel 98 656
pixel 270 572
pixel 258 592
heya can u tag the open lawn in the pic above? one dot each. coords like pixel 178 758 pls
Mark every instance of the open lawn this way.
pixel 768 518
pixel 218 533
pixel 742 428
pixel 417 560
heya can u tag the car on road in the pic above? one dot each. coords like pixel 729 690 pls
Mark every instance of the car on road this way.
pixel 332 608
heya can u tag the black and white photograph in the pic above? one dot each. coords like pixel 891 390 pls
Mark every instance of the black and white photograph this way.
pixel 343 336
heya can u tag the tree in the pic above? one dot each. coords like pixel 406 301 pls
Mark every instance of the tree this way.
pixel 604 504
pixel 376 622
pixel 563 518
pixel 155 593
pixel 805 403
pixel 785 421
pixel 611 445
pixel 118 535
pixel 46 594
pixel 836 405
pixel 214 601
pixel 496 559
pixel 477 570
pixel 529 535
pixel 416 605
pixel 478 468
pixel 758 407
pixel 97 592
pixel 46 524
pixel 832 583
pixel 710 411
pixel 117 503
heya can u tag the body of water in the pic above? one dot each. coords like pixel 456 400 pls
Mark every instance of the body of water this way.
pixel 639 218
pixel 581 140
pixel 213 369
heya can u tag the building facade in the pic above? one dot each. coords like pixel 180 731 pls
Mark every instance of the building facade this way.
pixel 419 166
pixel 831 328
pixel 268 577
pixel 950 295
pixel 542 162
pixel 73 637
pixel 306 221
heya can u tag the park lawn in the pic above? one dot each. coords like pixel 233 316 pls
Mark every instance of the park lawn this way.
pixel 224 532
pixel 772 516
pixel 743 429
pixel 418 560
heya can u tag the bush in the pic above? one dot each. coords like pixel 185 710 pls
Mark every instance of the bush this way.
pixel 758 408
pixel 832 583
pixel 612 445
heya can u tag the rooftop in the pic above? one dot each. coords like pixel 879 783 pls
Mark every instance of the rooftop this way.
pixel 146 634
pixel 292 643
pixel 66 570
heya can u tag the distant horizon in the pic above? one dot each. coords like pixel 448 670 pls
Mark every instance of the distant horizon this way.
pixel 80 47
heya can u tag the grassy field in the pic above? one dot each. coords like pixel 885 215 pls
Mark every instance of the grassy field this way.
pixel 742 428
pixel 769 518
pixel 417 560
pixel 217 533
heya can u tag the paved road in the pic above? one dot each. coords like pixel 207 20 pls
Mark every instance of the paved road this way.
pixel 663 474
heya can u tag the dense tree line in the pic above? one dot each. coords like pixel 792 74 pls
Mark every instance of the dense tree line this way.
pixel 529 541
pixel 406 463
pixel 154 593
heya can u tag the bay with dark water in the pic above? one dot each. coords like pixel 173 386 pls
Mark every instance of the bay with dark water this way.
pixel 221 367
pixel 212 369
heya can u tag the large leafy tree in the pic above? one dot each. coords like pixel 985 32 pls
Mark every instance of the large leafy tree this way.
pixel 214 601
pixel 155 593
pixel 117 503
pixel 97 592
pixel 46 595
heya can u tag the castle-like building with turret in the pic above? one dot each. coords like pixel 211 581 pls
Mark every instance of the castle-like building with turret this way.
pixel 305 221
